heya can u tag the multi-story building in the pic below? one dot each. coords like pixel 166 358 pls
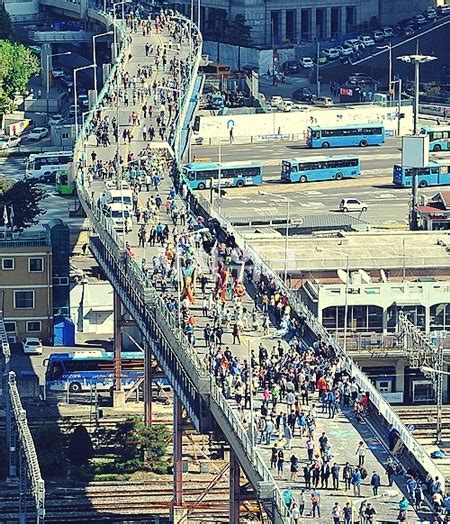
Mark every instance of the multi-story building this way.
pixel 34 280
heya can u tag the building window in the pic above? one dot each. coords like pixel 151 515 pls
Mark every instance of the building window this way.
pixel 440 317
pixel 415 314
pixel 23 299
pixel 8 264
pixel 10 327
pixel 35 265
pixel 34 326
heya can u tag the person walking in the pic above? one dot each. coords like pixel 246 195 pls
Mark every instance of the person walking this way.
pixel 301 502
pixel 347 474
pixel 236 333
pixel 361 453
pixel 315 504
pixel 375 482
pixel 356 481
pixel 336 513
pixel 347 513
pixel 335 475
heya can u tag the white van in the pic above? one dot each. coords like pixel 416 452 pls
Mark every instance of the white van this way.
pixel 119 196
pixel 286 106
pixel 118 215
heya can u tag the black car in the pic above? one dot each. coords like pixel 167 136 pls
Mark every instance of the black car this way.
pixel 303 94
pixel 291 67
pixel 360 79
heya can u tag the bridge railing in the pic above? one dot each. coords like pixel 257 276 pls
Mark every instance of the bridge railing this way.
pixel 317 328
pixel 113 245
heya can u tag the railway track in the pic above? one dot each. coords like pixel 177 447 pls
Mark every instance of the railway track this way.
pixel 109 502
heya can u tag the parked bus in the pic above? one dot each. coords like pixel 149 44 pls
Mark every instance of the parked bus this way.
pixel 345 136
pixel 82 370
pixel 232 174
pixel 439 137
pixel 45 166
pixel 434 174
pixel 317 168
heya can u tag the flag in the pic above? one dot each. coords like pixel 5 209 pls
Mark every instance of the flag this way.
pixel 11 216
pixel 5 216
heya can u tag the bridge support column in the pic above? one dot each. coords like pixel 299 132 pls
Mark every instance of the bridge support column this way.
pixel 179 514
pixel 118 393
pixel 148 385
pixel 235 488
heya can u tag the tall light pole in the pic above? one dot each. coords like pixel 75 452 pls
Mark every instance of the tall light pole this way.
pixel 286 236
pixel 417 60
pixel 94 57
pixel 75 93
pixel 388 47
pixel 47 83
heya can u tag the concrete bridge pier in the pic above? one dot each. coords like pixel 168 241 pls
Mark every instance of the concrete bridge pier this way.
pixel 118 393
pixel 179 514
pixel 148 412
pixel 235 489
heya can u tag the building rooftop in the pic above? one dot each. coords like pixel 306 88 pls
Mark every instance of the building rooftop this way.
pixel 365 250
pixel 34 237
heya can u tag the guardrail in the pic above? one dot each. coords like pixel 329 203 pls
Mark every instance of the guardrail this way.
pixel 299 307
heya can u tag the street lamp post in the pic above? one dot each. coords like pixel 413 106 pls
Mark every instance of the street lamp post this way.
pixel 94 57
pixel 399 110
pixel 75 93
pixel 47 83
pixel 417 60
pixel 286 237
pixel 389 48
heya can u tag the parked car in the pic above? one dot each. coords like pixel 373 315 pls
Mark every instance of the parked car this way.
pixel 419 20
pixel 345 49
pixel 443 10
pixel 7 142
pixel 286 106
pixel 352 204
pixel 430 13
pixel 291 67
pixel 388 31
pixel 378 35
pixel 32 346
pixel 356 44
pixel 303 94
pixel 360 79
pixel 57 72
pixel 38 133
pixel 298 107
pixel 331 54
pixel 55 119
pixel 408 30
pixel 306 62
pixel 323 101
pixel 367 40
pixel 276 100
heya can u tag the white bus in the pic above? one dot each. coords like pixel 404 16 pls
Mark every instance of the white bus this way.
pixel 45 166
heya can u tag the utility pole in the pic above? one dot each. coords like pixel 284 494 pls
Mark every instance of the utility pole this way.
pixel 318 69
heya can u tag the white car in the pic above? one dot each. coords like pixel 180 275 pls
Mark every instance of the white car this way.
pixel 419 19
pixel 7 142
pixel 276 100
pixel 345 49
pixel 55 119
pixel 298 107
pixel 356 44
pixel 367 40
pixel 32 346
pixel 118 214
pixel 331 54
pixel 378 35
pixel 388 31
pixel 37 133
pixel 430 13
pixel 306 62
pixel 286 106
pixel 352 204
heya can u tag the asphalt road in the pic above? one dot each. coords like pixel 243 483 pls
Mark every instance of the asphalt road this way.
pixel 386 203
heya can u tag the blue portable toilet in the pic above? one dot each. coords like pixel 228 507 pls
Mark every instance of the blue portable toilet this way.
pixel 63 331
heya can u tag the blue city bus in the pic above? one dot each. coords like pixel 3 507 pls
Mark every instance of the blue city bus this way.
pixel 345 136
pixel 80 371
pixel 317 168
pixel 232 174
pixel 439 137
pixel 435 174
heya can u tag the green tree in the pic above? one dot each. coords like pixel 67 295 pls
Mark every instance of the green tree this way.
pixel 17 65
pixel 238 32
pixel 23 197
pixel 6 29
pixel 80 448
pixel 217 25
pixel 51 450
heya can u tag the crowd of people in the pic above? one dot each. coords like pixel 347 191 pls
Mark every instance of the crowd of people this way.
pixel 280 393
